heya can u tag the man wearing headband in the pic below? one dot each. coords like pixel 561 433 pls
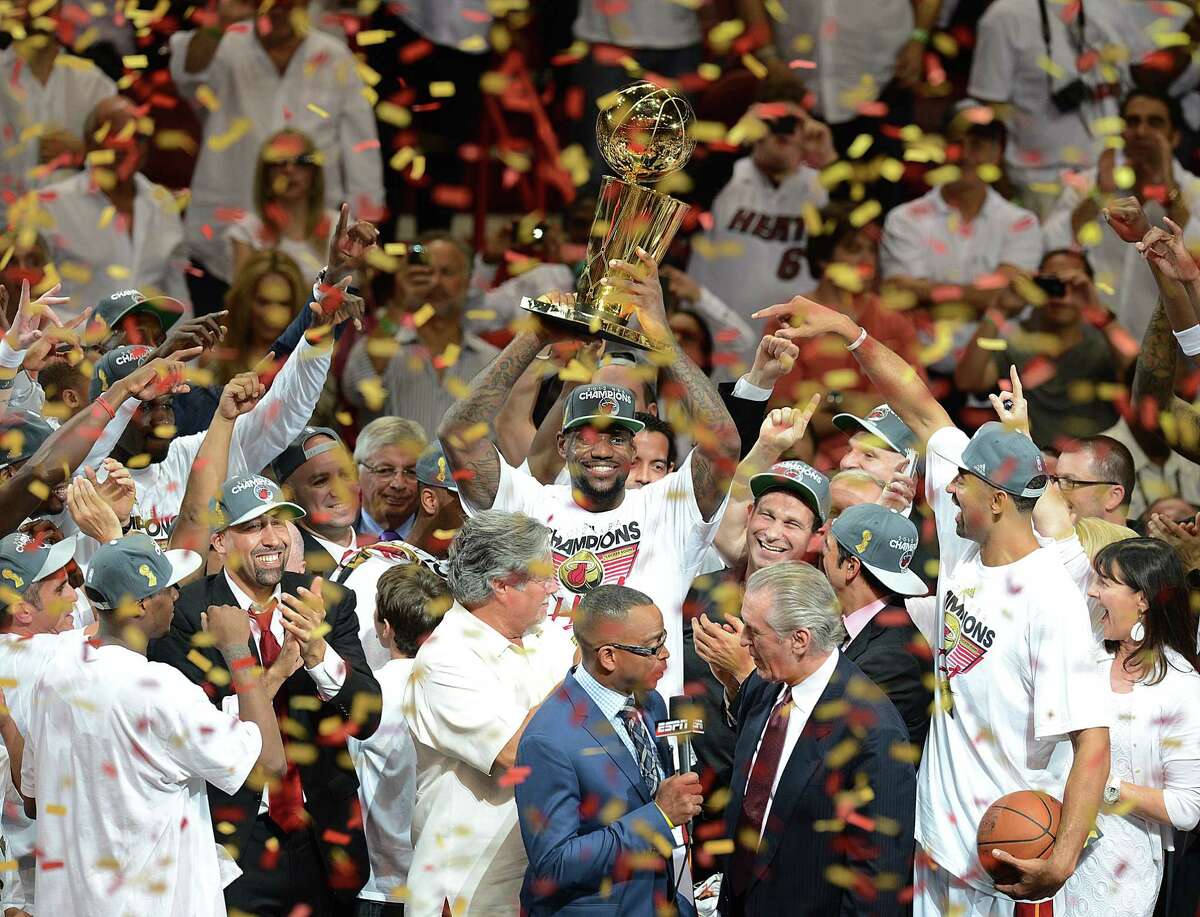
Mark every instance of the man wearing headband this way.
pixel 1012 641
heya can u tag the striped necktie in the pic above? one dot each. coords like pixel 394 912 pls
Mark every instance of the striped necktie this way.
pixel 647 755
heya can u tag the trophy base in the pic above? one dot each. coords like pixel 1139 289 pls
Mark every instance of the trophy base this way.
pixel 593 324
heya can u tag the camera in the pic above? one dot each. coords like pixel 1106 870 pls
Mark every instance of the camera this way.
pixel 1070 97
pixel 1051 285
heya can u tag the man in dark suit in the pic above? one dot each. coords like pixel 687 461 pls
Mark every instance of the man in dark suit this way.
pixel 591 752
pixel 821 810
pixel 867 556
pixel 300 843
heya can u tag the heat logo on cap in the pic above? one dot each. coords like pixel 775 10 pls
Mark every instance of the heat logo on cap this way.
pixel 906 559
pixel 608 406
pixel 263 494
pixel 878 414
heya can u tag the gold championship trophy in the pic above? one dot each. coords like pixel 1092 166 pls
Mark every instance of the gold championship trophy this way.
pixel 645 135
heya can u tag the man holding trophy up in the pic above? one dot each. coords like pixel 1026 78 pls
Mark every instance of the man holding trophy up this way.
pixel 653 538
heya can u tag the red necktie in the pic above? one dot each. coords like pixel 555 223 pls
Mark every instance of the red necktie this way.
pixel 758 794
pixel 285 802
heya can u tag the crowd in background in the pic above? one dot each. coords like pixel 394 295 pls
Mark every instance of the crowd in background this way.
pixel 916 462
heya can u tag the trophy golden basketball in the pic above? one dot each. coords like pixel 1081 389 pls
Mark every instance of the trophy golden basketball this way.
pixel 643 136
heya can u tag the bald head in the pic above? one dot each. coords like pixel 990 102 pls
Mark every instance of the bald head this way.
pixel 117 114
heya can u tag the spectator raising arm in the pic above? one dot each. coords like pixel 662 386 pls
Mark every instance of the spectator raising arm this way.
pixel 718 446
pixel 211 467
pixel 898 383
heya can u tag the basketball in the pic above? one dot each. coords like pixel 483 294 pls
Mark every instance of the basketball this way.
pixel 1023 824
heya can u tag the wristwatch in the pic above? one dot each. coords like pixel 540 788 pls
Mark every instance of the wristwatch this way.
pixel 1112 793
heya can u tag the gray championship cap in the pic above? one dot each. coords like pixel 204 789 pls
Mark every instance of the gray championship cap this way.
pixel 601 405
pixel 24 560
pixel 801 479
pixel 299 451
pixel 884 542
pixel 434 471
pixel 1006 459
pixel 133 568
pixel 116 365
pixel 21 435
pixel 247 497
pixel 116 306
pixel 881 422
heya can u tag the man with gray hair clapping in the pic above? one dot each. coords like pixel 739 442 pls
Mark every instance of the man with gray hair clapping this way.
pixel 804 700
pixel 476 684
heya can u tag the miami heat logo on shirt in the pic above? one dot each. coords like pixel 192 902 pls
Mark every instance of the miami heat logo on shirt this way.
pixel 581 572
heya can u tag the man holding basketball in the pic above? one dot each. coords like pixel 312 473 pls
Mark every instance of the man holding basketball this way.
pixel 1015 707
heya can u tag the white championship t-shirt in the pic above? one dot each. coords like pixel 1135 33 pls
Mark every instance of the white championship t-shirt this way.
pixel 1013 677
pixel 118 756
pixel 655 541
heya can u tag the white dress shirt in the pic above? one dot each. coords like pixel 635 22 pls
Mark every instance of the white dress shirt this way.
pixel 28 109
pixel 805 695
pixel 96 255
pixel 319 93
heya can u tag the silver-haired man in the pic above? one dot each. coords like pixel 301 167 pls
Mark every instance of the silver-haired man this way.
pixel 809 718
pixel 386 454
pixel 476 684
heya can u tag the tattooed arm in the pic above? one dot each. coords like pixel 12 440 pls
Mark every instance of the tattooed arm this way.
pixel 466 431
pixel 718 445
pixel 1154 389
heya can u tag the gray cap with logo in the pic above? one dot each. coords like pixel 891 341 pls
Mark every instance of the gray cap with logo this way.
pixel 883 423
pixel 247 497
pixel 1006 459
pixel 25 561
pixel 801 479
pixel 434 471
pixel 21 435
pixel 116 365
pixel 601 405
pixel 884 542
pixel 133 568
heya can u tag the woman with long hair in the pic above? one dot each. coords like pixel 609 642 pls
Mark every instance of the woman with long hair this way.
pixel 289 205
pixel 1149 655
pixel 267 293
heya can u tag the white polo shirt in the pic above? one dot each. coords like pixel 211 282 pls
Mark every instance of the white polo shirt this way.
pixel 470 690
pixel 657 24
pixel 1008 66
pixel 319 93
pixel 95 255
pixel 118 755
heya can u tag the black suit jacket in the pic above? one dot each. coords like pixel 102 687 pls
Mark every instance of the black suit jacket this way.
pixel 747 415
pixel 326 773
pixel 893 654
pixel 790 871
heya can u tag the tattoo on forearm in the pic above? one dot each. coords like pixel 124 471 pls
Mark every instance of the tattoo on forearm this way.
pixel 1155 374
pixel 705 409
pixel 480 406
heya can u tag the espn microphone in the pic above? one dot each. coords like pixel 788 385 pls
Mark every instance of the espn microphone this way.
pixel 686 720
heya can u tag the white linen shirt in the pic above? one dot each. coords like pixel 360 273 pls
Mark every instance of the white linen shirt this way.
pixel 470 691
pixel 1008 66
pixel 27 109
pixel 853 43
pixel 386 764
pixel 1124 280
pixel 319 93
pixel 805 695
pixel 95 256
pixel 118 756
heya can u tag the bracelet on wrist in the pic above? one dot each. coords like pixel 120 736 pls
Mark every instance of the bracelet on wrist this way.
pixel 108 408
pixel 857 342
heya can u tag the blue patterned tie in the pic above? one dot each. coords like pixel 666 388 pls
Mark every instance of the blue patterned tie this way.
pixel 647 756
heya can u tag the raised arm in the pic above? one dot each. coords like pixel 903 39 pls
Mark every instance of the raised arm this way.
pixel 718 446
pixel 898 383
pixel 210 469
pixel 466 431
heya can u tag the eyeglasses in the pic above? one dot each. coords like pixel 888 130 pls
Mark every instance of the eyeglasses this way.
pixel 1073 484
pixel 646 651
pixel 387 472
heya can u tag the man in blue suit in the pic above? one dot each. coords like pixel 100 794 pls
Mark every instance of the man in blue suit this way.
pixel 599 804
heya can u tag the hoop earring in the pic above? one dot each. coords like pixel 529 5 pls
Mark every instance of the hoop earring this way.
pixel 1137 633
